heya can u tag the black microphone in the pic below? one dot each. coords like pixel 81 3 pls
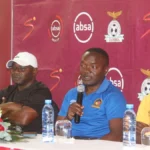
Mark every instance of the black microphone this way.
pixel 80 89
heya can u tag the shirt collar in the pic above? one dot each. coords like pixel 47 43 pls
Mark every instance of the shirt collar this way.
pixel 104 85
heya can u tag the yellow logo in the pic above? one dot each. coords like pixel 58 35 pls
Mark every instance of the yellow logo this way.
pixel 97 103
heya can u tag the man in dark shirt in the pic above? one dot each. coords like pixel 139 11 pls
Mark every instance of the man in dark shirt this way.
pixel 22 102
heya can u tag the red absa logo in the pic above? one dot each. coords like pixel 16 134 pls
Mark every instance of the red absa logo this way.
pixel 55 28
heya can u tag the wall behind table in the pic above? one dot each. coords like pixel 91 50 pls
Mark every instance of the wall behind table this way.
pixel 5 41
pixel 58 32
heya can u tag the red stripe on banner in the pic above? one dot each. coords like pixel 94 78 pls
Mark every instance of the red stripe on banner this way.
pixel 8 148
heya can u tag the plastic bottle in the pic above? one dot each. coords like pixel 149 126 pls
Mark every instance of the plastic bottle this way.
pixel 48 122
pixel 129 126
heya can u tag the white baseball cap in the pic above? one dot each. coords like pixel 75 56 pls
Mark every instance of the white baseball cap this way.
pixel 23 59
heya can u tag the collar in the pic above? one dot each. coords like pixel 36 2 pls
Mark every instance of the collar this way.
pixel 104 85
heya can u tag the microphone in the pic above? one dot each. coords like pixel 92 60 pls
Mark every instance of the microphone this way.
pixel 80 89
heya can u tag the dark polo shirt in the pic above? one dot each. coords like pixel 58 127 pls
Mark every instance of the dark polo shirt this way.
pixel 34 97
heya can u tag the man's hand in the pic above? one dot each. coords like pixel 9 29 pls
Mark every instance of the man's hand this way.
pixel 18 114
pixel 139 127
pixel 74 108
pixel 10 106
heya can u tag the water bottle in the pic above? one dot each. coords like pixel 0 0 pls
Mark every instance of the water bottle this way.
pixel 129 126
pixel 48 122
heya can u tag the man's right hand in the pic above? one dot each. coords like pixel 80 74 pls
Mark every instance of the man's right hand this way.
pixel 139 127
pixel 74 108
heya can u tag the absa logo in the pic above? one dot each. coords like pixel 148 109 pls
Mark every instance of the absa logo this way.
pixel 83 27
pixel 56 28
pixel 116 77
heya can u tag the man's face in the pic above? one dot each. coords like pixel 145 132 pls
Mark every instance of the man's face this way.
pixel 22 75
pixel 93 68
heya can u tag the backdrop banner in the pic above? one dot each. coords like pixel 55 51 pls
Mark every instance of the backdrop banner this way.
pixel 59 31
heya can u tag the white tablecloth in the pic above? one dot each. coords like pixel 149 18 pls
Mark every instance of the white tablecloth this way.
pixel 37 144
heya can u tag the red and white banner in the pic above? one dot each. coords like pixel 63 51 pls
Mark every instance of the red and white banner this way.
pixel 58 32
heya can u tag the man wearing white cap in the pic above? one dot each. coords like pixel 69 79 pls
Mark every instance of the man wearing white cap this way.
pixel 22 102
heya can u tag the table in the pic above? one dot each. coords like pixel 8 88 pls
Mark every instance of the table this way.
pixel 37 144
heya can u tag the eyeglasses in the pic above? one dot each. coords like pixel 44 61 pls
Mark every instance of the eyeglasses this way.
pixel 19 69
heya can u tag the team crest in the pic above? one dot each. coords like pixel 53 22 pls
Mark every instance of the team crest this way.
pixel 145 87
pixel 97 103
pixel 114 28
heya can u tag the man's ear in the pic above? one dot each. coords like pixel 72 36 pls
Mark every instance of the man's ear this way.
pixel 106 69
pixel 35 70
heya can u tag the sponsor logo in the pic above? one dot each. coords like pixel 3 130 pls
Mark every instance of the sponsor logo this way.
pixel 146 18
pixel 83 27
pixel 97 103
pixel 29 23
pixel 145 87
pixel 116 77
pixel 114 28
pixel 55 28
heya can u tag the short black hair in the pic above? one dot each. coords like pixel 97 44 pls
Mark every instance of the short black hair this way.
pixel 100 51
